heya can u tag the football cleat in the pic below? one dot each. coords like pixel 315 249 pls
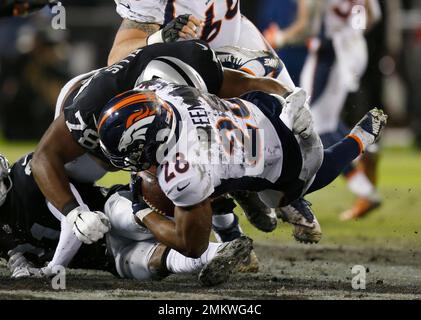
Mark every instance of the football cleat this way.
pixel 370 127
pixel 251 263
pixel 256 212
pixel 360 209
pixel 227 258
pixel 255 62
pixel 306 227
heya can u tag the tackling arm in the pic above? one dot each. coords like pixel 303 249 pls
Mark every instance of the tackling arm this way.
pixel 56 148
pixel 237 83
pixel 130 36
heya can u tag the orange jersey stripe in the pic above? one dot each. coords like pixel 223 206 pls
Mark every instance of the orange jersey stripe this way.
pixel 352 136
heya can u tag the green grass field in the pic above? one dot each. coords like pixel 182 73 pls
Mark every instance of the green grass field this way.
pixel 396 224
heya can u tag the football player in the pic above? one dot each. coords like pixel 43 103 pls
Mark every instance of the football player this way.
pixel 218 22
pixel 336 62
pixel 30 227
pixel 221 24
pixel 74 133
pixel 31 231
pixel 204 146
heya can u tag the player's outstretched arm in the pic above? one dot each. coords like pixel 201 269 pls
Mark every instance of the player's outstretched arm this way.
pixel 56 148
pixel 188 233
pixel 130 36
pixel 237 83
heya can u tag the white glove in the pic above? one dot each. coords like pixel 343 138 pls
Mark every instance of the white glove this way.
pixel 88 226
pixel 296 114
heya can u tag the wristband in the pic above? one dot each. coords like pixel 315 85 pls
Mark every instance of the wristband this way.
pixel 142 214
pixel 155 38
pixel 72 204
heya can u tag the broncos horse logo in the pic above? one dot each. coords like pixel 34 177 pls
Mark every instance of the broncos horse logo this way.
pixel 136 127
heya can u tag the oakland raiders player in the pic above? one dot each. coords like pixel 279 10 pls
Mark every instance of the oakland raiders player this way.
pixel 199 144
pixel 31 228
pixel 31 231
pixel 74 132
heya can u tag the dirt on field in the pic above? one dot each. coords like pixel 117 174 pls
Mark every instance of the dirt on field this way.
pixel 287 272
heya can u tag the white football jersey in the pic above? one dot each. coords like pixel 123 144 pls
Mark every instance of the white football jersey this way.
pixel 341 15
pixel 222 17
pixel 344 22
pixel 219 142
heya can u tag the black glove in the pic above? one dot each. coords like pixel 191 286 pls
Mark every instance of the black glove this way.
pixel 139 206
pixel 169 33
pixel 136 190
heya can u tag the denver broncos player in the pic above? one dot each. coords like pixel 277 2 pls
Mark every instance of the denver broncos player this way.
pixel 74 133
pixel 204 146
pixel 218 22
pixel 221 24
pixel 337 60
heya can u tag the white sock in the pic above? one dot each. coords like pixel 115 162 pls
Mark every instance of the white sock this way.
pixel 177 263
pixel 359 184
pixel 223 221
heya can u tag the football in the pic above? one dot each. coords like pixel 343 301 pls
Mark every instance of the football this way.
pixel 154 196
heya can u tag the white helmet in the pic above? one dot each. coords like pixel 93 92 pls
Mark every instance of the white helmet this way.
pixel 172 70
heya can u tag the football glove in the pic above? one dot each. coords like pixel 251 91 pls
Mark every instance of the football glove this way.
pixel 88 226
pixel 296 114
pixel 139 206
pixel 171 32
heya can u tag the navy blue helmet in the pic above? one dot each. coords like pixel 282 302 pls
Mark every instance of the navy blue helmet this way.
pixel 128 127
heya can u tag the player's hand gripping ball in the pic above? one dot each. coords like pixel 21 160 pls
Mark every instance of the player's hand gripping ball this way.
pixel 154 197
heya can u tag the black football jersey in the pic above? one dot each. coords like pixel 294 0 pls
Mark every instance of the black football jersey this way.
pixel 82 114
pixel 25 217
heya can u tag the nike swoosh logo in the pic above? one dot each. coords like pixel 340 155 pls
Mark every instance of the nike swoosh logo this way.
pixel 126 5
pixel 182 188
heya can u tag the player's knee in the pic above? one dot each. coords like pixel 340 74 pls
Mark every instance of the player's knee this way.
pixel 132 261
